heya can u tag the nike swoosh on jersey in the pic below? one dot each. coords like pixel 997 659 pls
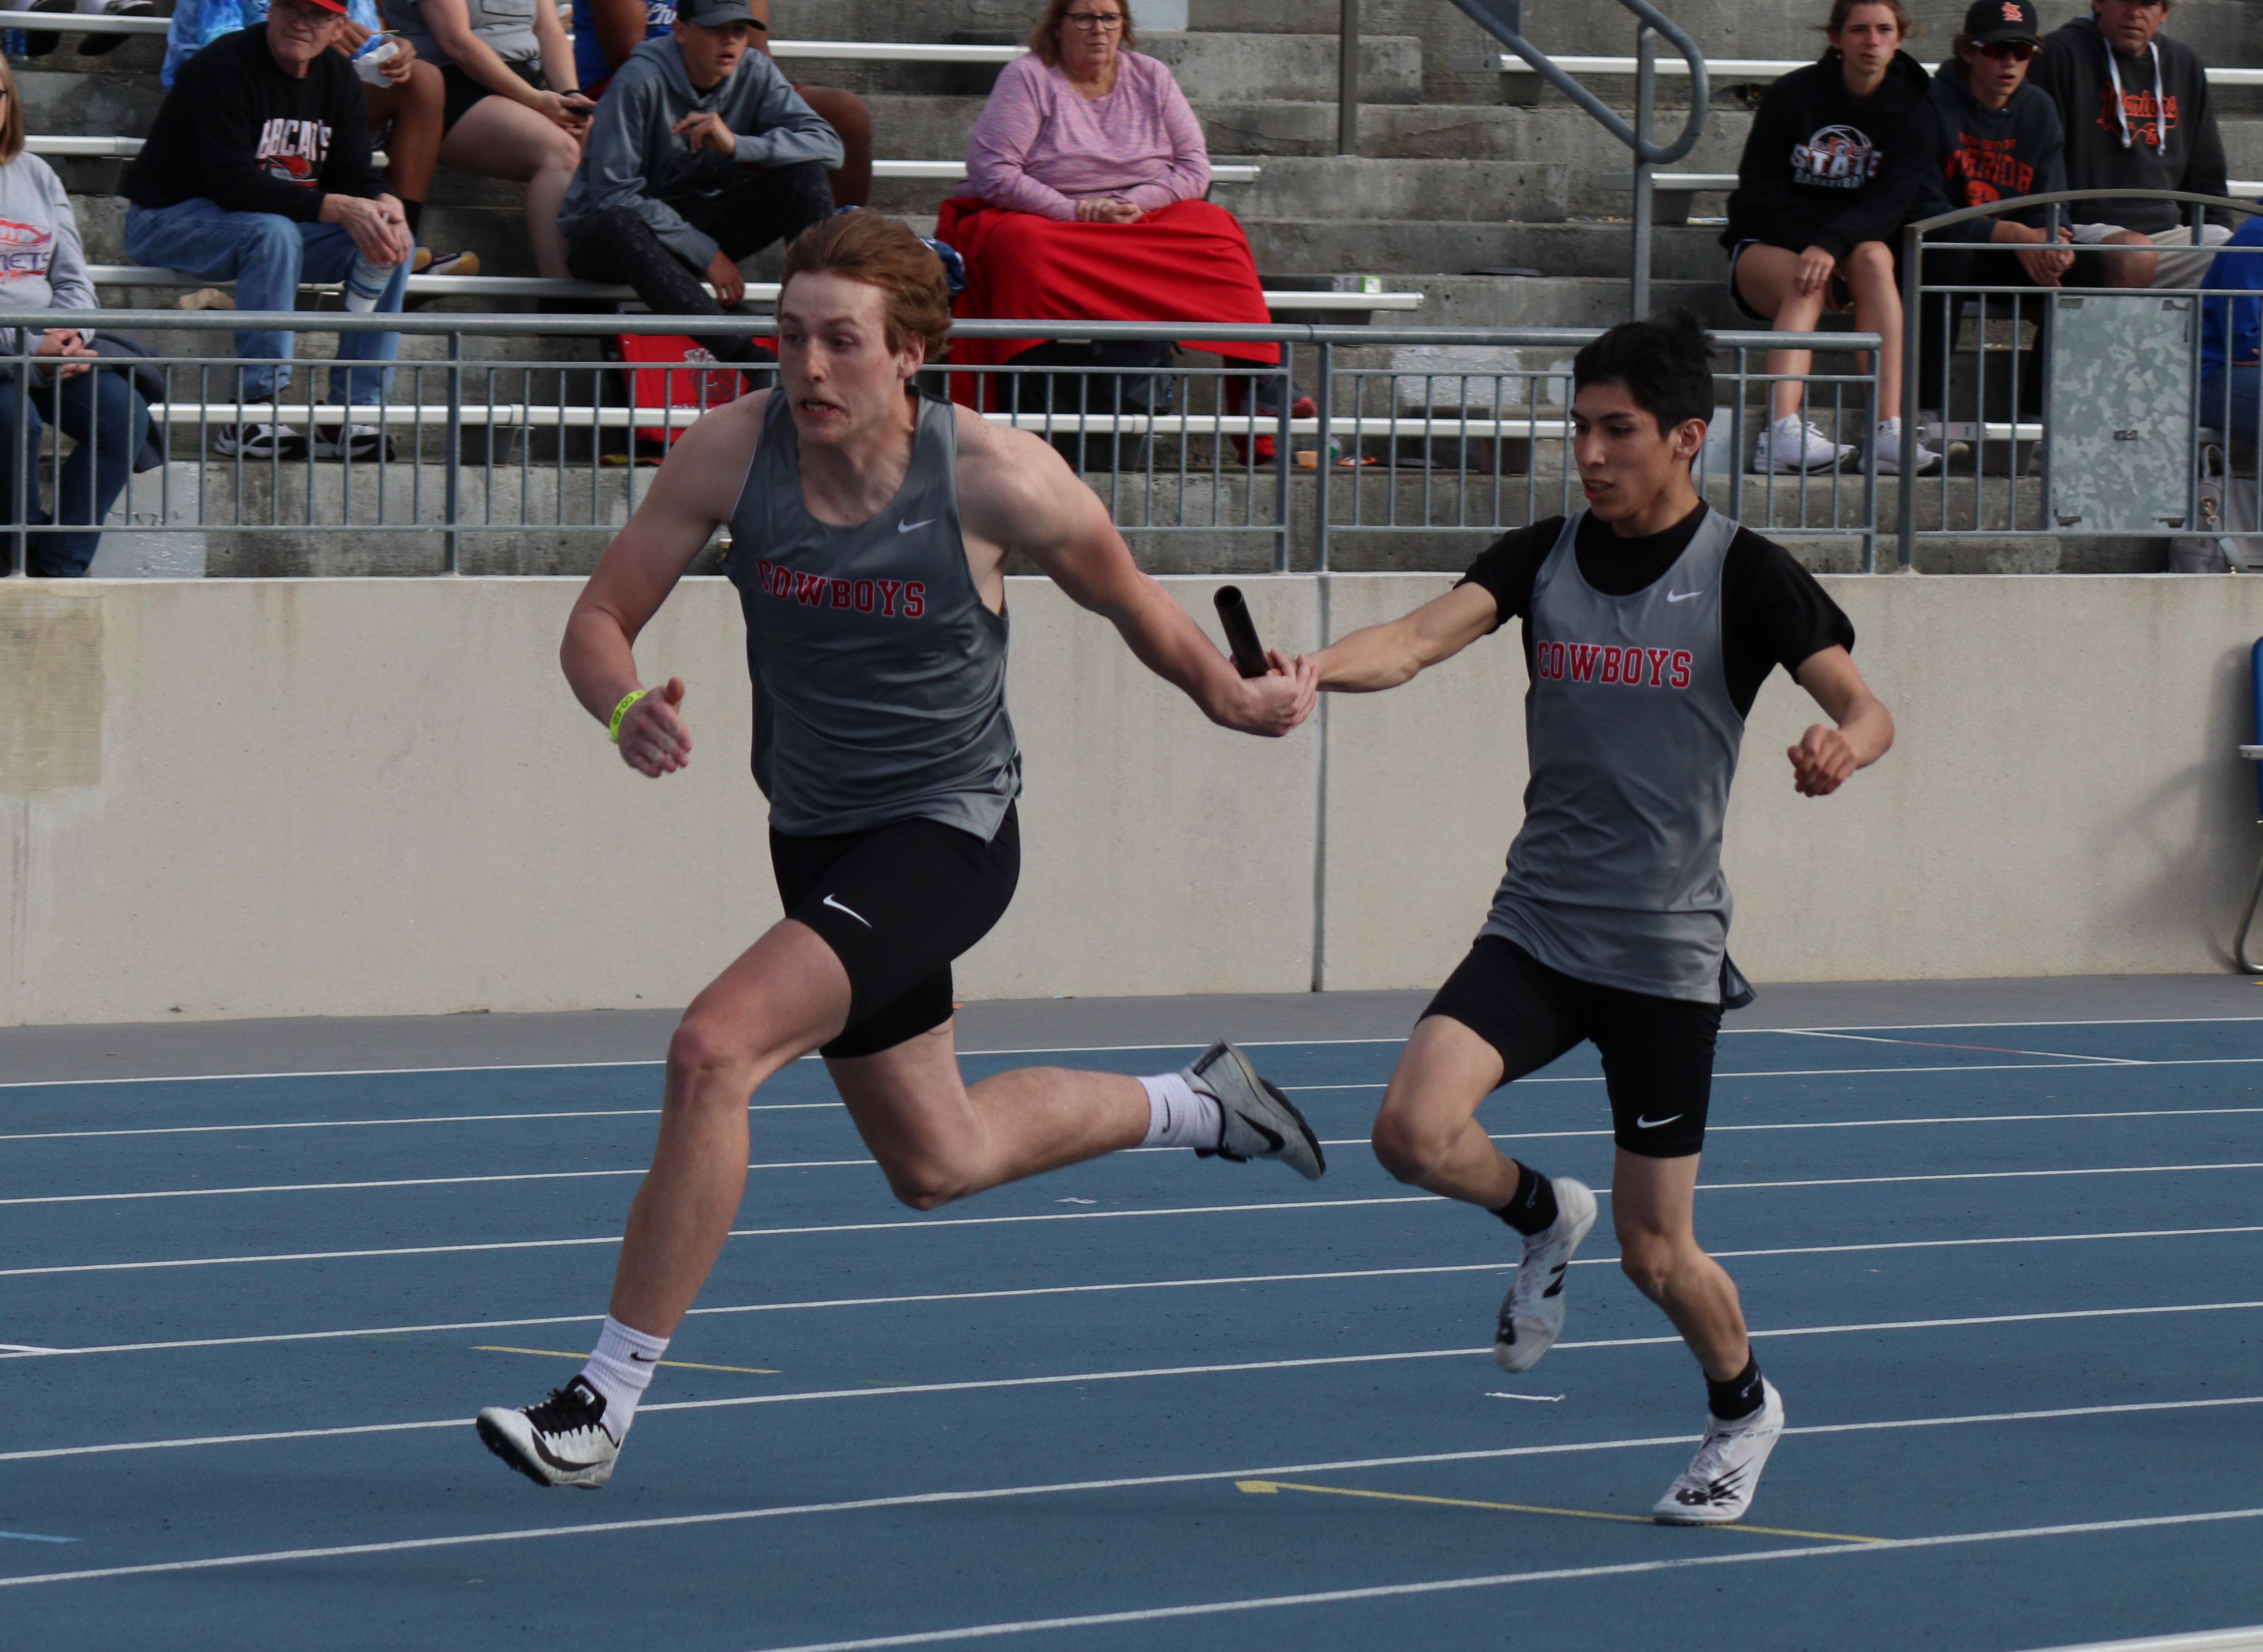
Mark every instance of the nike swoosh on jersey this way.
pixel 1655 1124
pixel 1681 597
pixel 905 527
pixel 837 906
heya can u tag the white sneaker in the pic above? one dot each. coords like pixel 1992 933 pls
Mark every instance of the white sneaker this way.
pixel 1886 442
pixel 351 441
pixel 561 1442
pixel 1532 1315
pixel 260 441
pixel 1794 444
pixel 1717 1486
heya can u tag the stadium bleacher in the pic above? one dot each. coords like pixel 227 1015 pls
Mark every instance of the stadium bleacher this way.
pixel 1479 196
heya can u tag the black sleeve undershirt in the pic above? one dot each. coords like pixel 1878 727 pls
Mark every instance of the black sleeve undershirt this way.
pixel 1773 612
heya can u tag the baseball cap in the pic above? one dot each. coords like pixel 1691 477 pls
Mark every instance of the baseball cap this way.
pixel 713 14
pixel 337 6
pixel 1991 20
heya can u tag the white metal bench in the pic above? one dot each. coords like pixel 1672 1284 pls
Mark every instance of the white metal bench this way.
pixel 126 275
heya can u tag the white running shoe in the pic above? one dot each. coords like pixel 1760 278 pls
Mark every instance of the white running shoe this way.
pixel 1793 445
pixel 561 1442
pixel 1532 1315
pixel 260 442
pixel 1717 1486
pixel 1886 442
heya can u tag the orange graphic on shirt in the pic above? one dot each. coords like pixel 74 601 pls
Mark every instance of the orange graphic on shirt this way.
pixel 2149 117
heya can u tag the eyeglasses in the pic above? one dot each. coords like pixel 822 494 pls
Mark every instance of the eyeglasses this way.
pixel 1106 22
pixel 2008 51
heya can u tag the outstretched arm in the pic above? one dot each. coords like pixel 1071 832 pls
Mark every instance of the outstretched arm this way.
pixel 1384 656
pixel 693 492
pixel 1825 757
pixel 1016 492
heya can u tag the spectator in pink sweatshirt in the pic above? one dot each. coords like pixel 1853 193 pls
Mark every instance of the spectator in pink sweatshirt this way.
pixel 1085 180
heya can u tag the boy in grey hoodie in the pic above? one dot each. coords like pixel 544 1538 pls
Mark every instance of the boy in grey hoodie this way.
pixel 700 155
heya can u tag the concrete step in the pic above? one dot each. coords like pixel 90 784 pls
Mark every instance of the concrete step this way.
pixel 1431 247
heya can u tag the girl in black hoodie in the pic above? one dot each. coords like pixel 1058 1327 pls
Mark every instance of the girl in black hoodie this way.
pixel 1838 154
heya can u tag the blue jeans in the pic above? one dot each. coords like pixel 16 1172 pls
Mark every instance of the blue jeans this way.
pixel 268 256
pixel 2247 389
pixel 101 411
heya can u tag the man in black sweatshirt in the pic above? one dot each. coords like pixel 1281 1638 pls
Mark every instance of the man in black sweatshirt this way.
pixel 258 168
pixel 2138 116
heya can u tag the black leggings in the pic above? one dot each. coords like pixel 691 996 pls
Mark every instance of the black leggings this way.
pixel 618 246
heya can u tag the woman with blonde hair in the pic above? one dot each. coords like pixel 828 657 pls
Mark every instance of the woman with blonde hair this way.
pixel 1084 178
pixel 42 268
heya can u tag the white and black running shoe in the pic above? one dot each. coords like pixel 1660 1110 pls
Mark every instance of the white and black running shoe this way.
pixel 1259 1123
pixel 561 1442
pixel 351 441
pixel 1717 1486
pixel 1532 1314
pixel 260 442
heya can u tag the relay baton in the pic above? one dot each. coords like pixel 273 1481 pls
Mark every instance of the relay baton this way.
pixel 1241 632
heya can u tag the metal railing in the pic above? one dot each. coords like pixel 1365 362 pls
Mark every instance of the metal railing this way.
pixel 1990 404
pixel 1504 20
pixel 514 426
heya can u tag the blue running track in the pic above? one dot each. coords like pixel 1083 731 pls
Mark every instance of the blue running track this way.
pixel 2008 1277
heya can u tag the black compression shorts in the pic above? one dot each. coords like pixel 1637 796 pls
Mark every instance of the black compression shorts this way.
pixel 1657 1052
pixel 897 903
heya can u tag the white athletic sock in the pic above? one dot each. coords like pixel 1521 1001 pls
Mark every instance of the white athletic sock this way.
pixel 619 1370
pixel 1179 1114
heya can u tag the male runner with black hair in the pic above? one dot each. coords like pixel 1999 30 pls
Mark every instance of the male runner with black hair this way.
pixel 1650 623
pixel 869 530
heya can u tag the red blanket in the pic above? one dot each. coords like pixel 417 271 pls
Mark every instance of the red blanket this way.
pixel 1187 261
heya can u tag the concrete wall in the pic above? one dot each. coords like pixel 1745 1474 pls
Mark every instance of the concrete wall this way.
pixel 336 797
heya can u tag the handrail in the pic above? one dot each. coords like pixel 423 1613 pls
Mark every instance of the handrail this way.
pixel 1503 19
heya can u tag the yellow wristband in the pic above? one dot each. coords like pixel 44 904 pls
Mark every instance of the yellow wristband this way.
pixel 622 710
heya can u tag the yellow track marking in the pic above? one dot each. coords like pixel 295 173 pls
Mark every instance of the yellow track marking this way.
pixel 682 1365
pixel 1533 1508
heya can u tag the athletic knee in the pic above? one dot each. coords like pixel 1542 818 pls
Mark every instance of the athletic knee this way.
pixel 926 1184
pixel 1870 258
pixel 1406 1147
pixel 706 1059
pixel 1649 1260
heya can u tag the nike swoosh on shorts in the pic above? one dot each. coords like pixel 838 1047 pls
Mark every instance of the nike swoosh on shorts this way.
pixel 837 906
pixel 1655 1124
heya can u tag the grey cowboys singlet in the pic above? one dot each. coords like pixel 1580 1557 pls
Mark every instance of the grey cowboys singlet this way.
pixel 879 674
pixel 1616 875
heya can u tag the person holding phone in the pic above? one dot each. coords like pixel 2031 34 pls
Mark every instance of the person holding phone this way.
pixel 513 106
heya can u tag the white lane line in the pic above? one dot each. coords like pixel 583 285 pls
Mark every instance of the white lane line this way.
pixel 736 1233
pixel 2076 1064
pixel 979 1385
pixel 850 1163
pixel 1064 1050
pixel 1076 1215
pixel 1923 1043
pixel 920 1298
pixel 928 1499
pixel 1503 1580
pixel 365 1124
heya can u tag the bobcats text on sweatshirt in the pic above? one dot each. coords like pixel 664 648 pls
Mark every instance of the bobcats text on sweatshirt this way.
pixel 1820 169
pixel 236 131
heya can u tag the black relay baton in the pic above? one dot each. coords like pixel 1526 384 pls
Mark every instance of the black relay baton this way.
pixel 1241 632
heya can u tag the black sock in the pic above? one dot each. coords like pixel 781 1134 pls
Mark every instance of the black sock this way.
pixel 1534 1208
pixel 414 212
pixel 1739 1397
